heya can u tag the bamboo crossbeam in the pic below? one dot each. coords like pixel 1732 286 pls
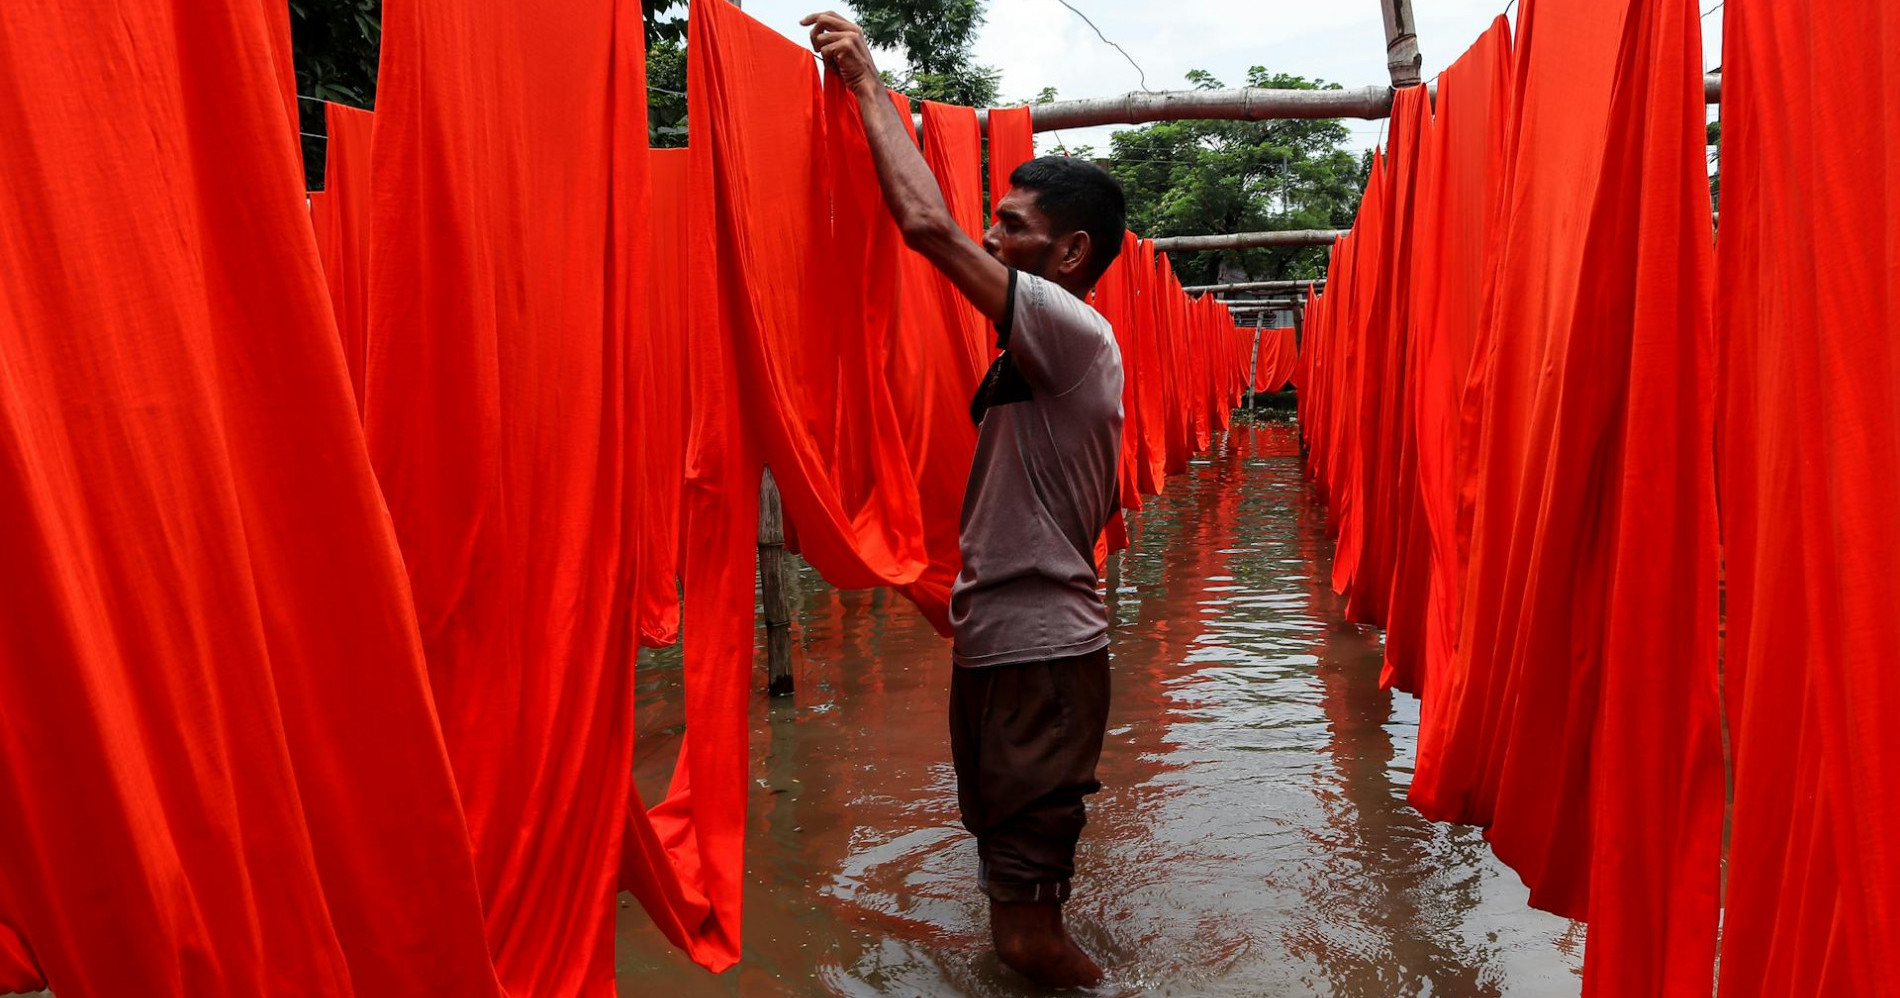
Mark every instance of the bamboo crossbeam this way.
pixel 1258 302
pixel 1256 286
pixel 1240 104
pixel 1248 240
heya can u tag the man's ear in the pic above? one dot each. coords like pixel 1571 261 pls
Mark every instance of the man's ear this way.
pixel 1074 256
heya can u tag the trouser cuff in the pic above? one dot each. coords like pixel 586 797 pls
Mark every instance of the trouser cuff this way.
pixel 1021 892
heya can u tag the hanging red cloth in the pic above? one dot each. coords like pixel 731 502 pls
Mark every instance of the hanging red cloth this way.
pixel 1145 367
pixel 1117 298
pixel 341 219
pixel 1461 177
pixel 1810 461
pixel 778 372
pixel 508 255
pixel 1407 555
pixel 1576 718
pixel 953 147
pixel 1012 143
pixel 220 759
pixel 659 410
pixel 925 338
pixel 1592 544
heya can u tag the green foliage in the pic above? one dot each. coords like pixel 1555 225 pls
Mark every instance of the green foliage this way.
pixel 1195 177
pixel 935 37
pixel 335 44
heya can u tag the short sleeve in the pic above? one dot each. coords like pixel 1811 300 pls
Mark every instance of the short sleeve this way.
pixel 1054 336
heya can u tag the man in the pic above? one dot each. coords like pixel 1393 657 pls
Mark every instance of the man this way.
pixel 1029 693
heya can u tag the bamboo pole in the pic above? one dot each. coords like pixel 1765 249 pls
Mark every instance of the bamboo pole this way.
pixel 1248 240
pixel 1402 59
pixel 773 590
pixel 1241 104
pixel 1260 303
pixel 1255 286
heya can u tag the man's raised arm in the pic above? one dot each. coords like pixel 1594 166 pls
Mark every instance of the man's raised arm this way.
pixel 909 189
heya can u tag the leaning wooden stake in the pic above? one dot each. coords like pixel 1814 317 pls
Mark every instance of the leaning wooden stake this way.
pixel 1402 60
pixel 773 593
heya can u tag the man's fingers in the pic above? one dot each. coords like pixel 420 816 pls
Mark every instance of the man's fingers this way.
pixel 836 51
pixel 831 33
pixel 828 19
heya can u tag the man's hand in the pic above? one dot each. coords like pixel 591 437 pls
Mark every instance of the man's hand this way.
pixel 845 50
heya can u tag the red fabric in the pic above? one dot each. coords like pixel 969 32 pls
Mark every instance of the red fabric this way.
pixel 659 413
pixel 1117 298
pixel 1012 143
pixel 936 345
pixel 1810 461
pixel 1146 370
pixel 953 146
pixel 1461 175
pixel 765 362
pixel 341 217
pixel 1406 581
pixel 1576 718
pixel 497 410
pixel 219 759
pixel 1274 360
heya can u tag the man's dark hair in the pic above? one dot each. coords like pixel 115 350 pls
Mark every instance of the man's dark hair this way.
pixel 1078 196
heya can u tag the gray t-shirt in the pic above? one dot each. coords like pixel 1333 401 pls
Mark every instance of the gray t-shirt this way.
pixel 1043 485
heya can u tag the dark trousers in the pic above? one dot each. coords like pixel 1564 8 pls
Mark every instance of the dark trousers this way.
pixel 1025 740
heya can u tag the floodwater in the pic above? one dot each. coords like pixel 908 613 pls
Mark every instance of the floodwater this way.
pixel 1252 837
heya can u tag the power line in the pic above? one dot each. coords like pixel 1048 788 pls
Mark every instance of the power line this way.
pixel 1713 9
pixel 1098 33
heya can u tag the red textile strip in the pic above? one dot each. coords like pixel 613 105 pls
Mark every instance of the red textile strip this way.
pixel 1587 422
pixel 1810 461
pixel 219 750
pixel 497 407
pixel 1012 143
pixel 341 218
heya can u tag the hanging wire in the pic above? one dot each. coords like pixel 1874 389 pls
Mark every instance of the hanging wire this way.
pixel 1098 33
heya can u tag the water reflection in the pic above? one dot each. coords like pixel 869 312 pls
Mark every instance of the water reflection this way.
pixel 1253 838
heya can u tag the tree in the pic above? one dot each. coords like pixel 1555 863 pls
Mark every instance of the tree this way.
pixel 1195 177
pixel 335 45
pixel 666 73
pixel 936 37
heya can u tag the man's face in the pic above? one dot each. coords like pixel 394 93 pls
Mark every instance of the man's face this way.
pixel 1021 237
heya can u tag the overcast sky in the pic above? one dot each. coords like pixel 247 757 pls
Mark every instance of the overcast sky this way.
pixel 1039 43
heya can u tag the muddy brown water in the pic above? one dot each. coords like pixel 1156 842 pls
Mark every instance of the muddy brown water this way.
pixel 1252 837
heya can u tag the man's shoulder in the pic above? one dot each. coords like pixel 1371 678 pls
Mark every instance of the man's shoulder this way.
pixel 1054 304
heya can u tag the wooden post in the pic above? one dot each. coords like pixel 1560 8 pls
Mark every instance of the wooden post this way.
pixel 772 589
pixel 1401 44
